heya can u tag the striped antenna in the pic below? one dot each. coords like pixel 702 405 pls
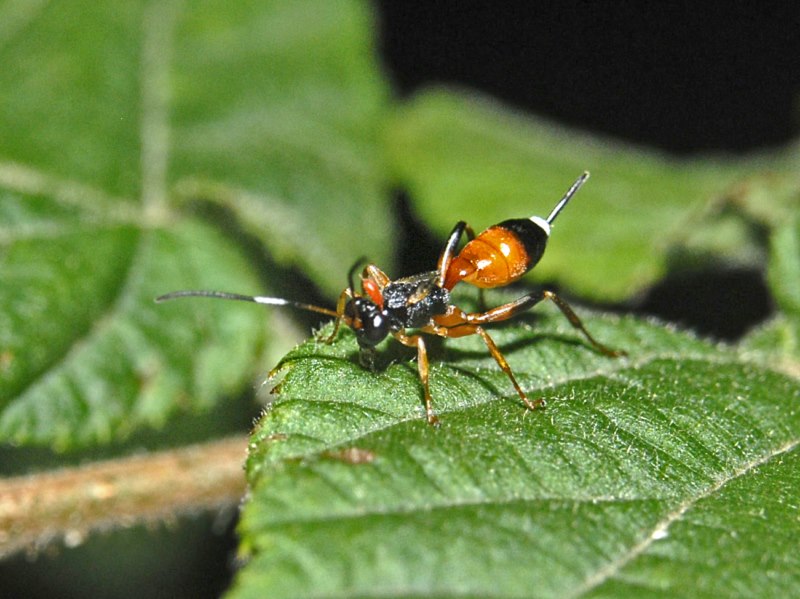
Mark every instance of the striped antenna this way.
pixel 269 301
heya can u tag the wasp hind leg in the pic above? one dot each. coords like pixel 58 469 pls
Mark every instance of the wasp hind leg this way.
pixel 573 319
pixel 527 302
pixel 503 364
pixel 473 322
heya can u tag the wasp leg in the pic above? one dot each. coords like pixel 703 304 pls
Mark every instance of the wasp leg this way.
pixel 567 311
pixel 343 297
pixel 526 302
pixel 449 251
pixel 503 364
pixel 422 366
pixel 457 325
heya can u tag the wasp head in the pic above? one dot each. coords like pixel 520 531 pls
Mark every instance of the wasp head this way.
pixel 368 320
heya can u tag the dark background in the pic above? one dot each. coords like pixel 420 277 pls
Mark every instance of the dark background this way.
pixel 679 77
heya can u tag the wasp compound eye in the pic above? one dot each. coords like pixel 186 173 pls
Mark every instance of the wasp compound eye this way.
pixel 370 323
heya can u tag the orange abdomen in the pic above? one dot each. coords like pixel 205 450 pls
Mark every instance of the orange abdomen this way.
pixel 498 256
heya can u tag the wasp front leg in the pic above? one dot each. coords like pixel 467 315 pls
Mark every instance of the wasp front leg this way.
pixel 344 297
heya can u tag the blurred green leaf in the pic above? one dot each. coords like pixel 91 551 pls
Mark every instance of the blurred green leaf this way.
pixel 784 271
pixel 86 355
pixel 736 226
pixel 463 157
pixel 277 110
pixel 664 473
pixel 778 341
pixel 755 222
pixel 112 117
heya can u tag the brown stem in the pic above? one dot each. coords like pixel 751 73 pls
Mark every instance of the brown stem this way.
pixel 68 504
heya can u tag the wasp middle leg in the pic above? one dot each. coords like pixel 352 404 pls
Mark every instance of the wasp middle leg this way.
pixel 422 366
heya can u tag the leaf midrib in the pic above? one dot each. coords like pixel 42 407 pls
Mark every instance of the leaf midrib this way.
pixel 613 568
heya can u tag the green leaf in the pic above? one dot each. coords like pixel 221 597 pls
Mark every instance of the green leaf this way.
pixel 114 118
pixel 778 341
pixel 464 157
pixel 668 473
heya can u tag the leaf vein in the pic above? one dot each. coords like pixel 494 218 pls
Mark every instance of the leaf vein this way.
pixel 23 179
pixel 158 31
pixel 99 326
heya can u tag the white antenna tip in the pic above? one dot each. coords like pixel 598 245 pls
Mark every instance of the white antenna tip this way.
pixel 271 301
